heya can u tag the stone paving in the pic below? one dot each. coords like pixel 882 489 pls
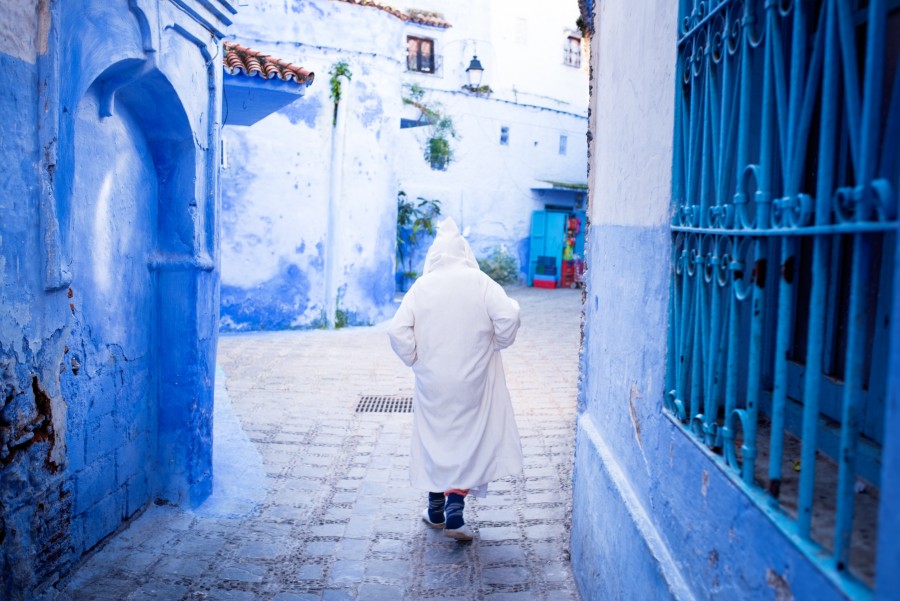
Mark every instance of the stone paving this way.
pixel 311 499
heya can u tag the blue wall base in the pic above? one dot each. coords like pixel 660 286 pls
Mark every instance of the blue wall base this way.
pixel 616 552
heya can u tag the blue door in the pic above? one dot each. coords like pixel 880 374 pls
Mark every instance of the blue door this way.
pixel 547 240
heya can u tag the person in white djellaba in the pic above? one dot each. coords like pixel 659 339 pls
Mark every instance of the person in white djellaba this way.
pixel 450 328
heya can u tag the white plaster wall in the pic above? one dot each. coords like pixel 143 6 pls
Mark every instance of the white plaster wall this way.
pixel 488 186
pixel 634 106
pixel 520 43
pixel 287 28
pixel 529 39
pixel 275 214
pixel 282 205
pixel 469 32
pixel 23 31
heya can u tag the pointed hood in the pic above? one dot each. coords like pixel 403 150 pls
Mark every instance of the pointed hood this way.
pixel 449 248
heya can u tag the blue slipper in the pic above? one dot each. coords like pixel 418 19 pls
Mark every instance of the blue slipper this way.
pixel 428 521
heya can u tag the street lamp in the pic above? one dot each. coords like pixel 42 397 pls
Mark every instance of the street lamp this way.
pixel 474 73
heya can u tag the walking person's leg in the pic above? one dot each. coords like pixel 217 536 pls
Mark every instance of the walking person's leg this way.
pixel 455 526
pixel 434 513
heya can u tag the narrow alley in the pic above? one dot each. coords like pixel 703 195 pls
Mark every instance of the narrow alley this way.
pixel 311 497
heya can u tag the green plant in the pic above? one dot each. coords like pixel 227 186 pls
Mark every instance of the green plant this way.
pixel 424 14
pixel 341 317
pixel 437 151
pixel 484 90
pixel 413 219
pixel 501 266
pixel 338 70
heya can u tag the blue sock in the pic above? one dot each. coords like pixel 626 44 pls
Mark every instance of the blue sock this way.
pixel 436 507
pixel 454 511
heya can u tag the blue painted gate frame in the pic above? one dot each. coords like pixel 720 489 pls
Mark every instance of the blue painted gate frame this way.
pixel 784 192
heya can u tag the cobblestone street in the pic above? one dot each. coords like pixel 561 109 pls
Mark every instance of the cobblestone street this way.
pixel 311 499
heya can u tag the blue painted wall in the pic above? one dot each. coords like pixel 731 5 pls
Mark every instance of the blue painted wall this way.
pixel 108 279
pixel 656 516
pixel 653 516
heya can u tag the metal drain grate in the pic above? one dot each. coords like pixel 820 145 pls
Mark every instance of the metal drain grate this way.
pixel 384 404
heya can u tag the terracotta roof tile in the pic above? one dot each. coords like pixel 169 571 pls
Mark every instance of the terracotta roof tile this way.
pixel 427 18
pixel 242 60
pixel 411 15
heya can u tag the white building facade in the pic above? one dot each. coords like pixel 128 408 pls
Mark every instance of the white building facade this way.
pixel 310 200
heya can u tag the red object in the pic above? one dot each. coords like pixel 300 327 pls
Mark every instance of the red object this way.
pixel 579 272
pixel 544 283
pixel 567 277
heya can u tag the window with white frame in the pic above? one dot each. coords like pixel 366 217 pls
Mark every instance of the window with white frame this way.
pixel 572 52
pixel 504 136
pixel 563 143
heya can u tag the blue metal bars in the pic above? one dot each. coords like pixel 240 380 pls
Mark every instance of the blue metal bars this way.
pixel 784 227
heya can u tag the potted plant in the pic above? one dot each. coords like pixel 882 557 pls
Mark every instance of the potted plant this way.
pixel 437 150
pixel 412 220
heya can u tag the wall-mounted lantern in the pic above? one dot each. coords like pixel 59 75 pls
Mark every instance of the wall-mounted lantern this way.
pixel 474 73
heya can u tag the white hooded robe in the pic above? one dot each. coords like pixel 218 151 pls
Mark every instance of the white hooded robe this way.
pixel 450 329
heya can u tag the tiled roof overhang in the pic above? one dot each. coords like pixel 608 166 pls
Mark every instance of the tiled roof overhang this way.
pixel 242 60
pixel 411 16
pixel 257 85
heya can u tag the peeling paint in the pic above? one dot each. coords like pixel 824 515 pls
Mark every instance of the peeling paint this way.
pixel 289 154
pixel 633 414
pixel 124 181
pixel 780 585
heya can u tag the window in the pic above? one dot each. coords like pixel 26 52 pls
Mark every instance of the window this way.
pixel 504 136
pixel 563 142
pixel 783 246
pixel 572 53
pixel 420 54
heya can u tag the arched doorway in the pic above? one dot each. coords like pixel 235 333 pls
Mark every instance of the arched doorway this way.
pixel 136 423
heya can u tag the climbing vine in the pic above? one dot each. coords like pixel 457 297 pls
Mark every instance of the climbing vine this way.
pixel 437 151
pixel 338 70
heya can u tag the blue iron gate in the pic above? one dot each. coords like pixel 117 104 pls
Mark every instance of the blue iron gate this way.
pixel 784 231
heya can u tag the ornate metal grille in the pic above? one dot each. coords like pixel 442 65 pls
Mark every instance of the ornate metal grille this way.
pixel 786 170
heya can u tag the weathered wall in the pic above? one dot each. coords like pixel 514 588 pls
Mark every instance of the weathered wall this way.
pixel 280 200
pixel 35 498
pixel 108 249
pixel 654 516
pixel 278 187
pixel 488 186
pixel 520 43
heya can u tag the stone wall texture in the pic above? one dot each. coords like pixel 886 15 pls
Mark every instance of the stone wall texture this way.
pixel 108 279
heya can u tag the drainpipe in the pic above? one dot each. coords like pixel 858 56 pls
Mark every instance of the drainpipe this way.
pixel 335 186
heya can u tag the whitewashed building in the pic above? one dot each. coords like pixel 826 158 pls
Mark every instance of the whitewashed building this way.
pixel 309 192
